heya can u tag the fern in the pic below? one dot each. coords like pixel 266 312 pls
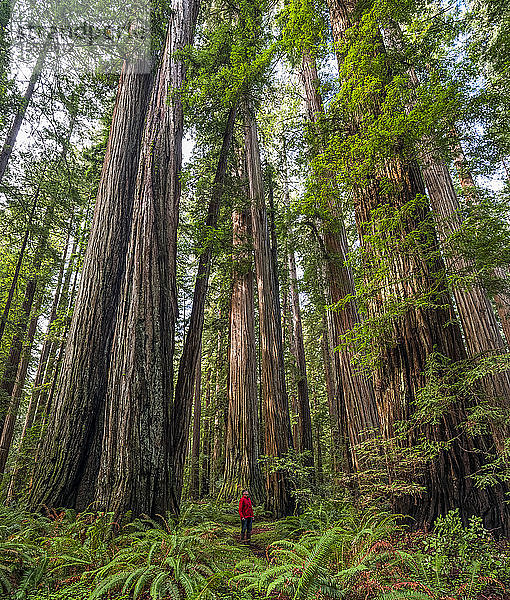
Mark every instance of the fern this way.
pixel 160 562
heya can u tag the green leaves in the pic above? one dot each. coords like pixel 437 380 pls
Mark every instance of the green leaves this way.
pixel 174 564
pixel 304 28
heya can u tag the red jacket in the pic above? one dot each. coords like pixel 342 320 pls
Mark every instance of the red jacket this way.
pixel 245 508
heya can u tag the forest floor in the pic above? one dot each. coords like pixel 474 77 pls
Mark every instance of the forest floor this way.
pixel 330 550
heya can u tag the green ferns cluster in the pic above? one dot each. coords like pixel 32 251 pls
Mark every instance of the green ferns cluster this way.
pixel 333 549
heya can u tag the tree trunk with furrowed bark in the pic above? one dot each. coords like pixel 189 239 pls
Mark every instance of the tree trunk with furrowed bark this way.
pixel 135 470
pixel 66 472
pixel 277 430
pixel 477 315
pixel 419 331
pixel 242 437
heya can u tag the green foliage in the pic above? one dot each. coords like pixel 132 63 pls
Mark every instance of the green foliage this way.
pixel 456 561
pixel 164 563
pixel 297 468
pixel 323 563
pixel 304 28
pixel 333 549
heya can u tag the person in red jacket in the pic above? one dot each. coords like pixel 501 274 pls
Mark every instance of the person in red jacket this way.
pixel 246 514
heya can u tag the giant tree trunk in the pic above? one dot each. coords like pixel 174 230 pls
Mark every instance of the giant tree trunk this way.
pixel 135 472
pixel 190 354
pixel 477 316
pixel 277 431
pixel 69 455
pixel 418 331
pixel 355 408
pixel 242 436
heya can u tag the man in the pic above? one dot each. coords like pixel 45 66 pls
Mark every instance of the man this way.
pixel 246 514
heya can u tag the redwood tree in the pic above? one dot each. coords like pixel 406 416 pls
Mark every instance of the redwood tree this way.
pixel 135 470
pixel 67 467
pixel 477 316
pixel 403 269
pixel 277 431
pixel 242 436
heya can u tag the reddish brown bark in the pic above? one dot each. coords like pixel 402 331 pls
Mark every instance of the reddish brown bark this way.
pixel 66 472
pixel 477 316
pixel 242 435
pixel 277 431
pixel 135 470
pixel 420 330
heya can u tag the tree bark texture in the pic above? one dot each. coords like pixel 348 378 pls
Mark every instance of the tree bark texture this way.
pixel 354 395
pixel 277 430
pixel 69 455
pixel 477 316
pixel 242 436
pixel 190 355
pixel 413 336
pixel 135 471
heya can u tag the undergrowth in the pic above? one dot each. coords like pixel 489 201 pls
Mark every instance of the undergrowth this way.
pixel 331 550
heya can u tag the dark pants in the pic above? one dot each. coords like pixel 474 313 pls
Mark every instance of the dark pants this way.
pixel 246 525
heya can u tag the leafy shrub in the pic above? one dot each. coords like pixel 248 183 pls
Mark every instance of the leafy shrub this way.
pixel 453 562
